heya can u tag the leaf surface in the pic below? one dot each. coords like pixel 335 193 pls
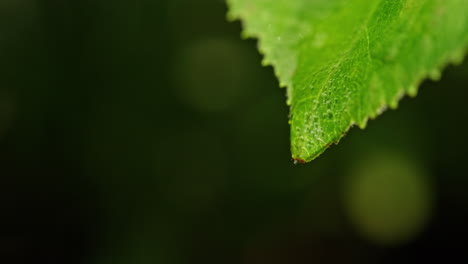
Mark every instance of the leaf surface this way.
pixel 345 61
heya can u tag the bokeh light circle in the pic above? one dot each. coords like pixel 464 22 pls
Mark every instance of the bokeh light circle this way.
pixel 211 75
pixel 388 199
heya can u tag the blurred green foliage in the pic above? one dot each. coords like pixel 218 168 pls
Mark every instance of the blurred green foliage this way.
pixel 146 132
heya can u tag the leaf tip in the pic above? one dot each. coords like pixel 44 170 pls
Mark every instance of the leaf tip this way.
pixel 299 161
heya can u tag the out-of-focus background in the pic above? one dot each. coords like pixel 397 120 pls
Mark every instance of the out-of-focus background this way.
pixel 146 131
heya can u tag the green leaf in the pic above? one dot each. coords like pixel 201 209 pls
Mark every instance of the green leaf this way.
pixel 345 61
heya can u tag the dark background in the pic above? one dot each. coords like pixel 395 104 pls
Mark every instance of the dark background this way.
pixel 146 131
